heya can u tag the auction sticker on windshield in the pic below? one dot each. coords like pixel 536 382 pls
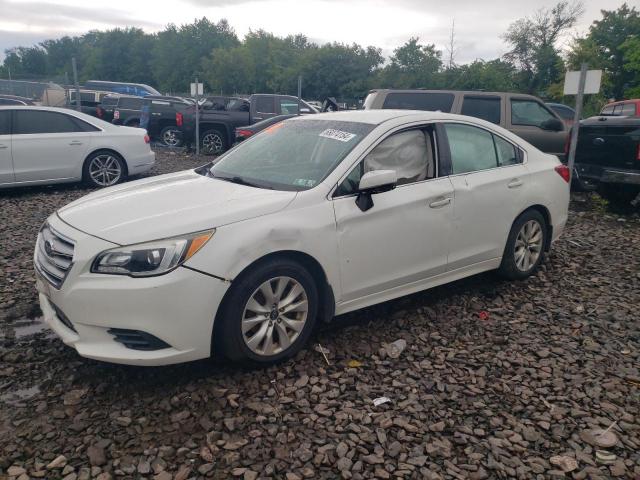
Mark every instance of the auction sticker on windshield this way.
pixel 337 135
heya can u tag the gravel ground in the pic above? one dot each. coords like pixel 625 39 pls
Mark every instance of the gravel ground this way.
pixel 496 379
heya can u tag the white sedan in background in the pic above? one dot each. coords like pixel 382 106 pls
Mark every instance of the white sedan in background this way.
pixel 46 145
pixel 315 216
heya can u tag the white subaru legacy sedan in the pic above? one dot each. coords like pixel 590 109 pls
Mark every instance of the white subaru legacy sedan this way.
pixel 315 216
pixel 46 145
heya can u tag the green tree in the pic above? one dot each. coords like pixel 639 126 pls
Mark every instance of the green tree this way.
pixel 602 48
pixel 533 45
pixel 178 52
pixel 412 66
pixel 631 52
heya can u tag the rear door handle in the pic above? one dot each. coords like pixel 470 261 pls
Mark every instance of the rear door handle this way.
pixel 515 183
pixel 75 142
pixel 440 203
pixel 3 146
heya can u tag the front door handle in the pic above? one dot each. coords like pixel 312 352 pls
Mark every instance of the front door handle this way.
pixel 515 183
pixel 3 146
pixel 440 203
pixel 75 142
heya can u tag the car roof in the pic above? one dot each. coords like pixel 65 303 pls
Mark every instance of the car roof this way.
pixel 464 92
pixel 376 117
pixel 620 102
pixel 67 111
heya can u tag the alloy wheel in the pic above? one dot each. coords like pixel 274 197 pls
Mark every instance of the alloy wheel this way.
pixel 171 138
pixel 274 316
pixel 105 170
pixel 528 246
pixel 212 143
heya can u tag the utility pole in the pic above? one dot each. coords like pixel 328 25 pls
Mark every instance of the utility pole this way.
pixel 299 93
pixel 576 121
pixel 75 81
pixel 197 120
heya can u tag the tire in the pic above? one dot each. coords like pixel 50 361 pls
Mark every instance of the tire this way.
pixel 251 333
pixel 528 235
pixel 618 194
pixel 104 169
pixel 213 142
pixel 171 136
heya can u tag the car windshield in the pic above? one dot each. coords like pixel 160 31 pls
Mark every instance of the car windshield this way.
pixel 291 155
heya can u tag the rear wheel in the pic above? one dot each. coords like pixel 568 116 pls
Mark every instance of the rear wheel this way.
pixel 525 246
pixel 171 136
pixel 269 313
pixel 104 169
pixel 213 142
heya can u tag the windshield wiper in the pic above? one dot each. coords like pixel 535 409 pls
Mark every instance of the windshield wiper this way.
pixel 240 181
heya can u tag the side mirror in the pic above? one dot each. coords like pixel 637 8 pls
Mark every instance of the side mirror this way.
pixel 376 181
pixel 552 124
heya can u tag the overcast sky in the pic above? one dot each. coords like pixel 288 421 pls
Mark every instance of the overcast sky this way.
pixel 382 23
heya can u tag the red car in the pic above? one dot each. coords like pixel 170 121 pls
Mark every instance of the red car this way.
pixel 623 108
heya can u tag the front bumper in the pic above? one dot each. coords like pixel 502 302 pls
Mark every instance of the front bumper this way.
pixel 178 308
pixel 590 175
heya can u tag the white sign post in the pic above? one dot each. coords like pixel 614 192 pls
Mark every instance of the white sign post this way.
pixel 197 90
pixel 579 83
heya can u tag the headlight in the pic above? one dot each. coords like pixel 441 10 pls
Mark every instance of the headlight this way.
pixel 151 258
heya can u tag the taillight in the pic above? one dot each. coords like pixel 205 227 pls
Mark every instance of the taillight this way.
pixel 99 112
pixel 243 133
pixel 638 153
pixel 179 119
pixel 147 139
pixel 116 115
pixel 564 172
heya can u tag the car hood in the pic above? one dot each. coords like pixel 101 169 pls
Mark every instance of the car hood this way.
pixel 169 205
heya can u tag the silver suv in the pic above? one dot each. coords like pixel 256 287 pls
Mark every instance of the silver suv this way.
pixel 525 115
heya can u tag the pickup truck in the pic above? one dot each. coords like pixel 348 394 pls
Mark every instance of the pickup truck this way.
pixel 220 116
pixel 608 156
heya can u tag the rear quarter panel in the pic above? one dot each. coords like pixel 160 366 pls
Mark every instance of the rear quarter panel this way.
pixel 547 188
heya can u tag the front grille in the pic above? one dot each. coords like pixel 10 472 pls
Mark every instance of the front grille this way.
pixel 54 255
pixel 137 340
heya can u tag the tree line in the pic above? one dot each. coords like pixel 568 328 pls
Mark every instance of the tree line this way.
pixel 262 62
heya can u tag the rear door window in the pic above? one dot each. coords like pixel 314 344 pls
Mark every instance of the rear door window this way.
pixel 617 109
pixel 486 108
pixel 529 112
pixel 432 101
pixel 288 106
pixel 472 148
pixel 130 103
pixel 40 121
pixel 265 105
pixel 628 109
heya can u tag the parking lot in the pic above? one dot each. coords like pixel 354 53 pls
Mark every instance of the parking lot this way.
pixel 495 380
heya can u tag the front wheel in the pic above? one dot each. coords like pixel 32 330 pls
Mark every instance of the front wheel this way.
pixel 269 314
pixel 104 169
pixel 525 246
